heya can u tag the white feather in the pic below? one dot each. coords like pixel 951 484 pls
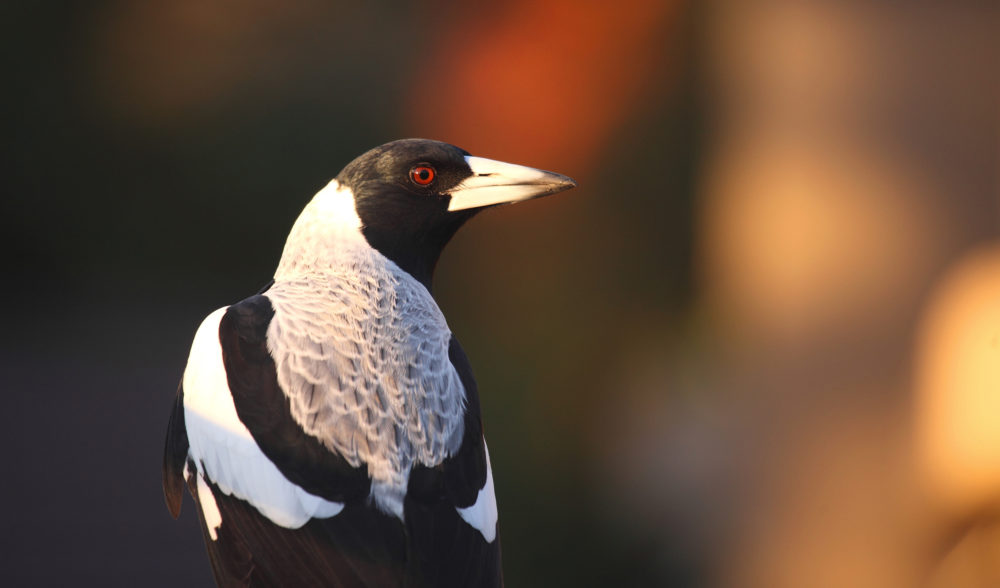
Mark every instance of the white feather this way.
pixel 209 509
pixel 223 449
pixel 483 514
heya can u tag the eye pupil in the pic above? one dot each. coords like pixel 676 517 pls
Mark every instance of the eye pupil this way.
pixel 422 175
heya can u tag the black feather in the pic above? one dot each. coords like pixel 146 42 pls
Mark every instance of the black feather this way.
pixel 266 411
pixel 360 547
pixel 175 454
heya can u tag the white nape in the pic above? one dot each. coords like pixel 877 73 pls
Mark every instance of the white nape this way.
pixel 483 514
pixel 327 228
pixel 209 509
pixel 223 449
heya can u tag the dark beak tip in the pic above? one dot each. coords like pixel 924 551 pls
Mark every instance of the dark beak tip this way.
pixel 562 182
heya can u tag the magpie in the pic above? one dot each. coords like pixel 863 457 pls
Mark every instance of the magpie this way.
pixel 328 427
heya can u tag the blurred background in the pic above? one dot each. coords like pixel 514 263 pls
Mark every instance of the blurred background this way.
pixel 759 346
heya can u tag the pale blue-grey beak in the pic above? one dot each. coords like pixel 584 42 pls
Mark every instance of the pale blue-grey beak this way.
pixel 495 182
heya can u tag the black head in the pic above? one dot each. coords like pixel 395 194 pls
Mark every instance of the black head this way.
pixel 412 196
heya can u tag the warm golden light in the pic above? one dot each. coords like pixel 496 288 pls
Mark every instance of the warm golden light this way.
pixel 958 385
pixel 800 238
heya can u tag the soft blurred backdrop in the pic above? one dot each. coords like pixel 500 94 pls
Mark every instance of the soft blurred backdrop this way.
pixel 759 346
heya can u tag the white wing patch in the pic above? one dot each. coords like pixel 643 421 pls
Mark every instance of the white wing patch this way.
pixel 223 449
pixel 483 514
pixel 209 509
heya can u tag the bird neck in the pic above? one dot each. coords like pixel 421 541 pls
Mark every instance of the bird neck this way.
pixel 326 235
pixel 328 238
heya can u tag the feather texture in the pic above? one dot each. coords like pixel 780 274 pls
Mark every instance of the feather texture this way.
pixel 329 427
pixel 361 351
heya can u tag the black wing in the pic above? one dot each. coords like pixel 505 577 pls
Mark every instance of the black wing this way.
pixel 444 550
pixel 175 455
pixel 266 412
pixel 360 546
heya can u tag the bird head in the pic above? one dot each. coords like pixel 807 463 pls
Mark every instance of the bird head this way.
pixel 412 195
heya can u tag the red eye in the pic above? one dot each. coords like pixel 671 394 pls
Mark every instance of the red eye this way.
pixel 422 175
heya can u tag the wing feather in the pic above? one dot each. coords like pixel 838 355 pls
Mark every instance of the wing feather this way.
pixel 264 408
pixel 175 454
pixel 432 545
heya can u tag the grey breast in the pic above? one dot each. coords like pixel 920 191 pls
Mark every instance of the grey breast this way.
pixel 361 351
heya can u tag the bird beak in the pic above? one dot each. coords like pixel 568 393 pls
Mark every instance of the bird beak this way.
pixel 495 182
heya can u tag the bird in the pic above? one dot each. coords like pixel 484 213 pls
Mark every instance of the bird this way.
pixel 328 427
